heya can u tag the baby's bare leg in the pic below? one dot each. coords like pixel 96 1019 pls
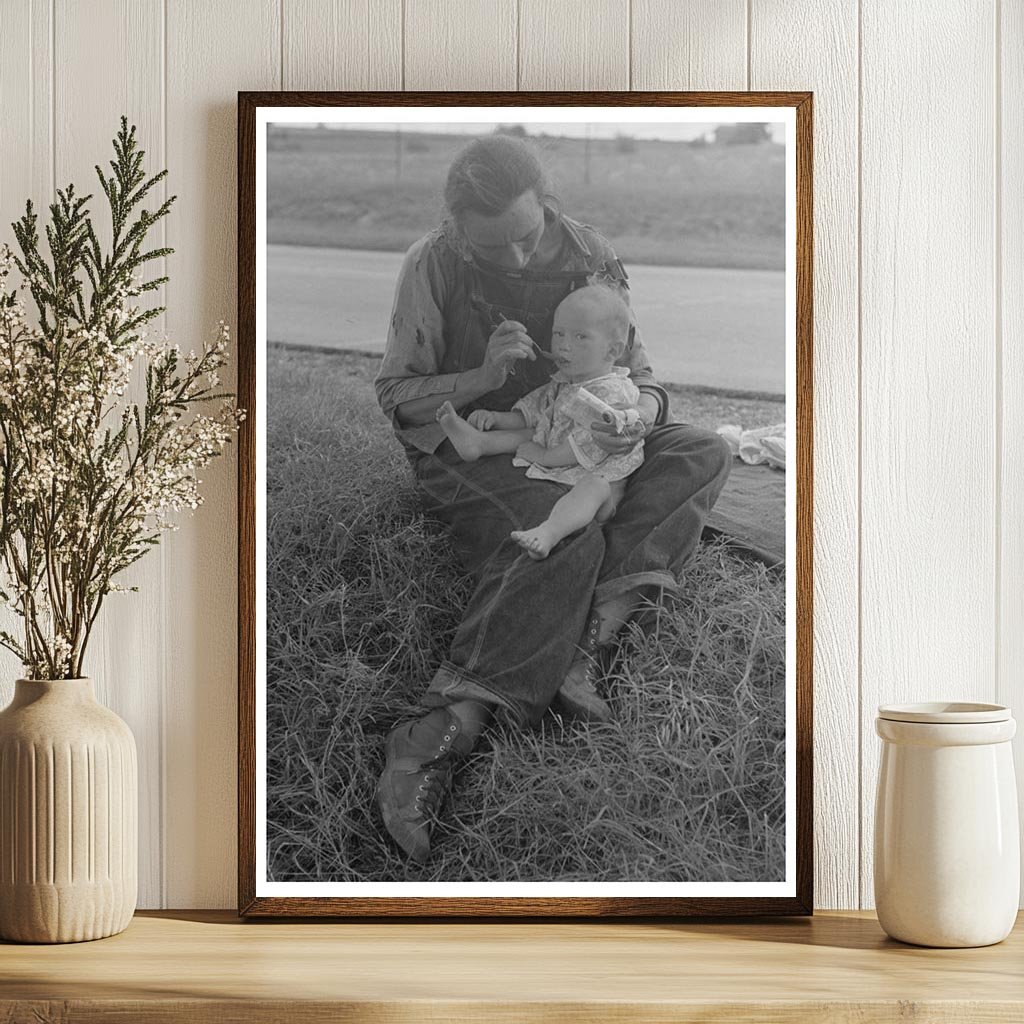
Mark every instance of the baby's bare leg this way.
pixel 472 444
pixel 616 489
pixel 570 513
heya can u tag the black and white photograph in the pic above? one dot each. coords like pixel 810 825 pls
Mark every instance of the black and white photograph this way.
pixel 525 502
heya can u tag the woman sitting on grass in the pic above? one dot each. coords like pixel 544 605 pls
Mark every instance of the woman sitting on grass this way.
pixel 548 430
pixel 474 303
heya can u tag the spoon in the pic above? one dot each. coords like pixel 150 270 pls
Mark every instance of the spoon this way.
pixel 481 307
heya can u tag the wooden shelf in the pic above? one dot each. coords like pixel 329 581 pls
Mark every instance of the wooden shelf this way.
pixel 200 967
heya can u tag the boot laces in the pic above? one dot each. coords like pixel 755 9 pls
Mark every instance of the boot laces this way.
pixel 436 775
pixel 588 654
pixel 590 675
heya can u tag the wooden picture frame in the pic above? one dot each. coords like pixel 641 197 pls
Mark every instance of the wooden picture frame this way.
pixel 798 899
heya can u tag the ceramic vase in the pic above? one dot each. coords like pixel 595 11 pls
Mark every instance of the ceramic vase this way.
pixel 947 847
pixel 68 815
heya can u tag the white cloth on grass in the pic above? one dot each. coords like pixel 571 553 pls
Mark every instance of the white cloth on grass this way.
pixel 761 445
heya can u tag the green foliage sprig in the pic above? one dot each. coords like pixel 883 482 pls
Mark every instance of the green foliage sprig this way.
pixel 88 478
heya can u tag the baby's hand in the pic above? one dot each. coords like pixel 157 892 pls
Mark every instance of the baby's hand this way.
pixel 482 419
pixel 531 451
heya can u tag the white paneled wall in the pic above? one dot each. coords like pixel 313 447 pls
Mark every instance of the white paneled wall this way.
pixel 1009 322
pixel 928 426
pixel 919 324
pixel 831 72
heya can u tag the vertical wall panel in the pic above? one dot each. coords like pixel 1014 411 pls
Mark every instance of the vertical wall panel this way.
pixel 26 170
pixel 814 46
pixel 122 657
pixel 213 51
pixel 574 44
pixel 696 44
pixel 342 44
pixel 26 68
pixel 928 536
pixel 1010 178
pixel 468 45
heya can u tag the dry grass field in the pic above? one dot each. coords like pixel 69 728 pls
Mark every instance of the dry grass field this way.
pixel 687 784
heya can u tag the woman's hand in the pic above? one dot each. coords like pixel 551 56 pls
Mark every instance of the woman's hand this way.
pixel 617 444
pixel 506 345
pixel 609 441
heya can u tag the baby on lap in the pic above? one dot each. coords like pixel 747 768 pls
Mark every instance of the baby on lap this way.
pixel 548 430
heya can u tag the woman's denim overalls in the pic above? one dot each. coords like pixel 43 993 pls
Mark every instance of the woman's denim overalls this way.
pixel 519 632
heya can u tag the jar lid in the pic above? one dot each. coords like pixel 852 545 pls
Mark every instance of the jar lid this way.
pixel 945 713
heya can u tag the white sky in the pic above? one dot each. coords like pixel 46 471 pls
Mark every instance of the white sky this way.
pixel 675 131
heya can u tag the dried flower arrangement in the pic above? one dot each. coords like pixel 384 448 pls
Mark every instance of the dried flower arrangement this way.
pixel 88 478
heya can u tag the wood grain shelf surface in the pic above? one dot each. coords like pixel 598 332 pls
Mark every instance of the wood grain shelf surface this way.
pixel 204 966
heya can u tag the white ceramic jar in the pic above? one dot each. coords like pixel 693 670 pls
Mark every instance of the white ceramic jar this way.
pixel 947 847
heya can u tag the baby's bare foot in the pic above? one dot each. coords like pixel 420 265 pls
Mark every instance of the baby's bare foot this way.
pixel 537 543
pixel 465 438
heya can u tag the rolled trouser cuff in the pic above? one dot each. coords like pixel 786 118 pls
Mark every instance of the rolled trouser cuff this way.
pixel 451 683
pixel 611 589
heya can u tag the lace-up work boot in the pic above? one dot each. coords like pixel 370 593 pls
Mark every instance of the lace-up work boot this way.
pixel 420 759
pixel 578 697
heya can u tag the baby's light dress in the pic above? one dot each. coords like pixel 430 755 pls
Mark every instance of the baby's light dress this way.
pixel 544 409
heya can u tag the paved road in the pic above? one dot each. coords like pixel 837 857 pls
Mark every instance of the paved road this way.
pixel 723 328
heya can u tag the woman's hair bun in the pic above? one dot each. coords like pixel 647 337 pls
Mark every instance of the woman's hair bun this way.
pixel 490 173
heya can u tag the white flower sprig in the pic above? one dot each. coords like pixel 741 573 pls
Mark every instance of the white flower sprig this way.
pixel 89 479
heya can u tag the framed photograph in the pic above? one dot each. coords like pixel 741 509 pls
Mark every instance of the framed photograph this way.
pixel 525 490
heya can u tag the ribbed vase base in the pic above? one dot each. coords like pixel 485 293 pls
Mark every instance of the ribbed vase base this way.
pixel 63 913
pixel 68 815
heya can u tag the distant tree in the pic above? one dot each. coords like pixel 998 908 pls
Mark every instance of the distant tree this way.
pixel 742 134
pixel 512 129
pixel 625 143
